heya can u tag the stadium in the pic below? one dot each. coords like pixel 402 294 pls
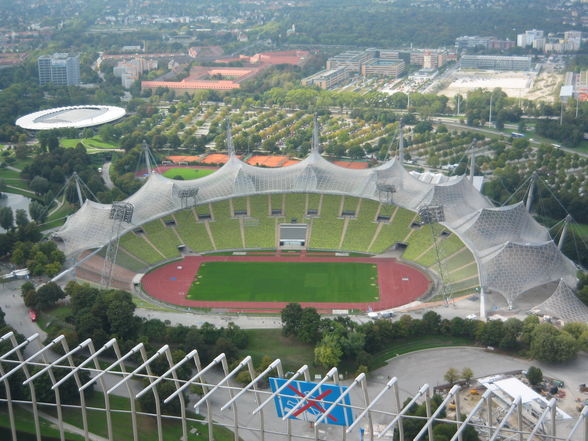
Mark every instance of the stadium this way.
pixel 253 239
pixel 76 117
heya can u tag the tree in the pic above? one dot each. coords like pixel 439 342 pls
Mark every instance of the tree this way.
pixel 451 376
pixel 328 353
pixel 512 330
pixel 309 326
pixel 164 390
pixel 6 218
pixel 423 126
pixel 52 142
pixel 467 374
pixel 291 317
pixel 29 295
pixel 119 312
pixel 492 333
pixel 38 212
pixel 550 344
pixel 39 185
pixel 21 217
pixel 575 329
pixel 430 323
pixel 355 152
pixel 48 295
pixel 534 375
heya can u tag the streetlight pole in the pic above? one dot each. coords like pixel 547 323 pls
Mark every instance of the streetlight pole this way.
pixel 490 116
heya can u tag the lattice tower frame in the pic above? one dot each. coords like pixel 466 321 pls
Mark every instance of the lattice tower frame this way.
pixel 122 214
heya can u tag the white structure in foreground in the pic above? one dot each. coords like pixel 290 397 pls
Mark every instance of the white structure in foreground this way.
pixel 248 411
pixel 76 117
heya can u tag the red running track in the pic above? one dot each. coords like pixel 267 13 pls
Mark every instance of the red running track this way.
pixel 399 283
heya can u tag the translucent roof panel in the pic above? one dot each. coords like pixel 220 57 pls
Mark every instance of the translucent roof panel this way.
pixel 459 198
pixel 513 268
pixel 564 304
pixel 513 252
pixel 489 227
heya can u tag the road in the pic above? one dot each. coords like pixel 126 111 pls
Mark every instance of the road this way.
pixel 198 319
pixel 106 175
pixel 452 123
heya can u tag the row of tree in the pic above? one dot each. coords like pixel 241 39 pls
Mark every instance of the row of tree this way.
pixel 342 340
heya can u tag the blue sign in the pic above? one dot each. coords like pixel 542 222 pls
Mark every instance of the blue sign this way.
pixel 316 405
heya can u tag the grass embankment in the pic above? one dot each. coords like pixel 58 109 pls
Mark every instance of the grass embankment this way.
pixel 286 282
pixel 25 428
pixel 58 217
pixel 14 183
pixel 294 354
pixel 187 173
pixel 272 343
pixel 416 344
pixel 92 145
pixel 147 427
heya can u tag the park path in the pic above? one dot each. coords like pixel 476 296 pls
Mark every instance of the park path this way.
pixel 106 175
pixel 66 426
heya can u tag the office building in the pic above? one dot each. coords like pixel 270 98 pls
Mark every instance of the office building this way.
pixel 59 69
pixel 130 71
pixel 390 68
pixel 475 41
pixel 429 58
pixel 351 60
pixel 493 62
pixel 527 39
pixel 328 78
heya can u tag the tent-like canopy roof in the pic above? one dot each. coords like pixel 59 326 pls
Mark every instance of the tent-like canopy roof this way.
pixel 514 253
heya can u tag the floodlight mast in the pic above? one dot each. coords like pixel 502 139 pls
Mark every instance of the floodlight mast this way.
pixel 316 141
pixel 386 192
pixel 147 154
pixel 472 163
pixel 433 215
pixel 229 141
pixel 400 144
pixel 184 194
pixel 120 213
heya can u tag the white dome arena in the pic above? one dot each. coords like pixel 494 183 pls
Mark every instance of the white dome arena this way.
pixel 70 117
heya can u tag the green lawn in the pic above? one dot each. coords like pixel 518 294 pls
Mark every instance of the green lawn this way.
pixel 416 344
pixel 7 173
pixel 294 354
pixel 24 426
pixel 21 163
pixel 147 427
pixel 272 343
pixel 58 217
pixel 94 143
pixel 187 173
pixel 286 282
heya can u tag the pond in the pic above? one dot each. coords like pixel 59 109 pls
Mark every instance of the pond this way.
pixel 16 202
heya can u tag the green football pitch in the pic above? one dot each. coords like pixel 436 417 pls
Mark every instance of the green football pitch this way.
pixel 188 173
pixel 286 282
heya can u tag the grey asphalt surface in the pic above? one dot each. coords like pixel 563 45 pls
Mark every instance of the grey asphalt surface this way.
pixel 106 175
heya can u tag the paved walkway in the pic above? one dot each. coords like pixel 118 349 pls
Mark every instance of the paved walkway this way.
pixel 106 175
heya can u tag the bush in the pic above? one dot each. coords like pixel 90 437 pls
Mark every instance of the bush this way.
pixel 534 375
